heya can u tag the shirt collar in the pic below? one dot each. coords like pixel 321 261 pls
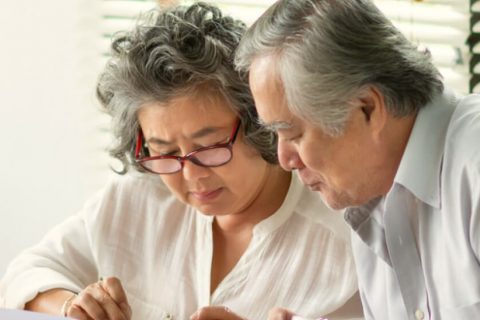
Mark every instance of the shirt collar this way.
pixel 421 163
pixel 285 211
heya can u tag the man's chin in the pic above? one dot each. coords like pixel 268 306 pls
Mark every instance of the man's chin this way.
pixel 333 202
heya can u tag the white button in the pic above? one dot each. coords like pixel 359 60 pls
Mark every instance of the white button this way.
pixel 419 315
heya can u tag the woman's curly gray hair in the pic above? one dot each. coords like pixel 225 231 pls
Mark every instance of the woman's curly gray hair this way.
pixel 167 55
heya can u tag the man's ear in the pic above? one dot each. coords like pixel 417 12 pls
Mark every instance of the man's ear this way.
pixel 372 104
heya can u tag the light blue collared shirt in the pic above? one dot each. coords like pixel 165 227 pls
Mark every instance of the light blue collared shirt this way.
pixel 417 249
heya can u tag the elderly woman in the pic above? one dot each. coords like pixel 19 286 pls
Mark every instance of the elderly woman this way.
pixel 207 218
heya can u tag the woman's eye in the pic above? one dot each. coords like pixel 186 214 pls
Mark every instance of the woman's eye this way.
pixel 209 144
pixel 157 152
pixel 170 153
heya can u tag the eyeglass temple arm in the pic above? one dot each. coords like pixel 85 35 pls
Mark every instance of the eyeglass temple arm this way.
pixel 235 131
pixel 138 146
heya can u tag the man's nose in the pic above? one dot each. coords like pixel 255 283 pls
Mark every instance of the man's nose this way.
pixel 288 156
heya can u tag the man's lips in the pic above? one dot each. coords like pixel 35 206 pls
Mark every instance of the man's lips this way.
pixel 313 183
pixel 316 186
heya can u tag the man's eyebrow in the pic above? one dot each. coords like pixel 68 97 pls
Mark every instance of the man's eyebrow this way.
pixel 275 125
pixel 198 134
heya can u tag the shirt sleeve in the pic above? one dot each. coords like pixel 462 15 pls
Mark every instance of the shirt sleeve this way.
pixel 63 259
pixel 367 312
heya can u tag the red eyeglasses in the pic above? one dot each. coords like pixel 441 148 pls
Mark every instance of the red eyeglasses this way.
pixel 210 156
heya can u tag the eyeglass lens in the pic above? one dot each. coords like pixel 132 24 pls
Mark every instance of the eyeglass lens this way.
pixel 209 158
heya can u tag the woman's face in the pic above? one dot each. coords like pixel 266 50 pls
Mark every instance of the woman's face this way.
pixel 194 121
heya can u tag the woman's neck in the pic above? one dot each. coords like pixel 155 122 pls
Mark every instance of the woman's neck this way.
pixel 271 194
pixel 232 233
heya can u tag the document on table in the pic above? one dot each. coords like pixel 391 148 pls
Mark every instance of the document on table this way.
pixel 9 314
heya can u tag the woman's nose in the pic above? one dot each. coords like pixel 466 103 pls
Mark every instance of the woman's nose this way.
pixel 192 171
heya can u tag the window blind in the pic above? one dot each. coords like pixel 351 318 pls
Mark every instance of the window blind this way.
pixel 120 15
pixel 441 26
pixel 115 16
pixel 474 45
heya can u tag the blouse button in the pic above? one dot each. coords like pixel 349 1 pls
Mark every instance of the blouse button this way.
pixel 419 315
pixel 168 316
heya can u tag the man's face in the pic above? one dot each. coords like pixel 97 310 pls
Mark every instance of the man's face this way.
pixel 343 169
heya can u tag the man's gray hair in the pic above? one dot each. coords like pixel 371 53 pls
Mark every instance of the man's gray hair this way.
pixel 169 54
pixel 327 51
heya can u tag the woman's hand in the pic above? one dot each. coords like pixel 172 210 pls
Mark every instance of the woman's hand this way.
pixel 280 314
pixel 284 314
pixel 215 313
pixel 105 299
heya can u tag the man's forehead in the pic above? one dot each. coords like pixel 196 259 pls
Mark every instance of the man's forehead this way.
pixel 265 80
pixel 264 68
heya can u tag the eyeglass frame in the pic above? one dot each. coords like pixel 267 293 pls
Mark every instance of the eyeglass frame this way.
pixel 189 156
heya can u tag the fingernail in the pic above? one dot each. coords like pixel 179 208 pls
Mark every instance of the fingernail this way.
pixel 194 316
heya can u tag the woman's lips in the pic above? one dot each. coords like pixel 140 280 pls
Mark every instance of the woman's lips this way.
pixel 206 195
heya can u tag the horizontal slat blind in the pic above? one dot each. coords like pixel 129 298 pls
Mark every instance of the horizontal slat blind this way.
pixel 116 16
pixel 474 43
pixel 120 15
pixel 442 26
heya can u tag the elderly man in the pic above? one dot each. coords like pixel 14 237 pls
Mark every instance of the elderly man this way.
pixel 365 119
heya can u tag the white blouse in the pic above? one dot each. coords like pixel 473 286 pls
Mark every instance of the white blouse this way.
pixel 161 249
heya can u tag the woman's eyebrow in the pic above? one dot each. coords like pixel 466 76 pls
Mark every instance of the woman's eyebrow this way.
pixel 204 132
pixel 154 140
pixel 198 134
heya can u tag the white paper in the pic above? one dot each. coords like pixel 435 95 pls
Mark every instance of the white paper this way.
pixel 9 314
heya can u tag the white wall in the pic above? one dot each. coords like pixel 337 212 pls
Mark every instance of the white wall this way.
pixel 51 157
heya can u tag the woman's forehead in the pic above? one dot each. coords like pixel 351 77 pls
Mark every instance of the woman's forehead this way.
pixel 184 117
pixel 186 110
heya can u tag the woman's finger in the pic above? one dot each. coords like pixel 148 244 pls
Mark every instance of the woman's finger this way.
pixel 109 306
pixel 280 314
pixel 88 302
pixel 114 288
pixel 76 312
